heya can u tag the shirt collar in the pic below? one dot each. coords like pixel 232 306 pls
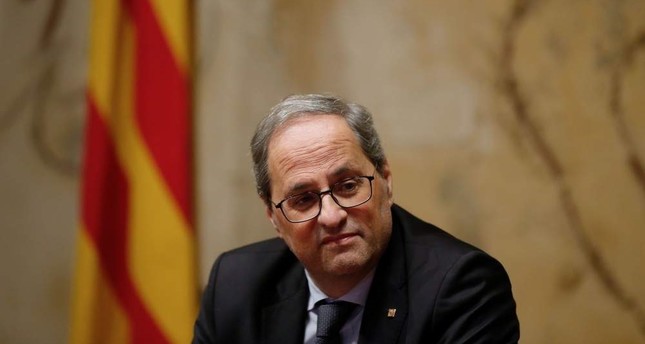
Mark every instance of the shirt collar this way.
pixel 357 295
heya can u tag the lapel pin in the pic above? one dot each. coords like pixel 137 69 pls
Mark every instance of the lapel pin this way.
pixel 391 313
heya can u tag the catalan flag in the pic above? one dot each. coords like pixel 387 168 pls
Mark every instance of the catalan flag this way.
pixel 135 278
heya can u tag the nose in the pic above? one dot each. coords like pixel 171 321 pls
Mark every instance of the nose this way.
pixel 332 215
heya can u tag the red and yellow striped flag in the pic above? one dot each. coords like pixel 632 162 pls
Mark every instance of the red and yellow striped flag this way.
pixel 136 272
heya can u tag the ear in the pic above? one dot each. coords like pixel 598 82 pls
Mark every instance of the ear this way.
pixel 270 215
pixel 386 173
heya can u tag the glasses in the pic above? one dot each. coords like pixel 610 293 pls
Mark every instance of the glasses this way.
pixel 347 193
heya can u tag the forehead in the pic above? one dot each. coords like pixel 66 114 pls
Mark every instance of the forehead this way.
pixel 308 146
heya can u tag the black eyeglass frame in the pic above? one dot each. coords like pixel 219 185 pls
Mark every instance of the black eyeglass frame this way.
pixel 320 195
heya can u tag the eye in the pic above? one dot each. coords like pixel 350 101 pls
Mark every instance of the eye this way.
pixel 302 201
pixel 347 187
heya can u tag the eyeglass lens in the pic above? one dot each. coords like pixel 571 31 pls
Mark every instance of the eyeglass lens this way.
pixel 347 193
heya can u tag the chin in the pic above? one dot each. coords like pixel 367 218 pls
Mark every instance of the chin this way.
pixel 348 263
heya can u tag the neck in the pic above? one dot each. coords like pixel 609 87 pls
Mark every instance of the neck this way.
pixel 337 286
pixel 336 290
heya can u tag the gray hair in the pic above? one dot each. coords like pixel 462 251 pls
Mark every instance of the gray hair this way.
pixel 356 116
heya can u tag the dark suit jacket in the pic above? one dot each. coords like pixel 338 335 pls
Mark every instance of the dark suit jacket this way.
pixel 443 290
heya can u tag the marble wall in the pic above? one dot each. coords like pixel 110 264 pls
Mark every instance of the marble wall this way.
pixel 516 125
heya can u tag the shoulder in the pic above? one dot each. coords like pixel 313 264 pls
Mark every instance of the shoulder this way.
pixel 435 260
pixel 247 277
pixel 256 259
pixel 429 248
pixel 420 237
pixel 242 282
pixel 269 246
pixel 445 274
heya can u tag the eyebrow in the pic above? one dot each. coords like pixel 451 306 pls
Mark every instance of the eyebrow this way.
pixel 296 188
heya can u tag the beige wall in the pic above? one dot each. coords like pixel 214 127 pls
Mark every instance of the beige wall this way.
pixel 517 126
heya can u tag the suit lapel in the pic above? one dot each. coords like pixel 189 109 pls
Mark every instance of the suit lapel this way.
pixel 386 308
pixel 283 321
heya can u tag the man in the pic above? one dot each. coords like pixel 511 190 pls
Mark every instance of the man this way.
pixel 346 255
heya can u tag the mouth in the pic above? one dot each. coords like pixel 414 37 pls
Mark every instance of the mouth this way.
pixel 339 239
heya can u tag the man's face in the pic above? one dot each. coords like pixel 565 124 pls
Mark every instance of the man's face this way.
pixel 311 153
